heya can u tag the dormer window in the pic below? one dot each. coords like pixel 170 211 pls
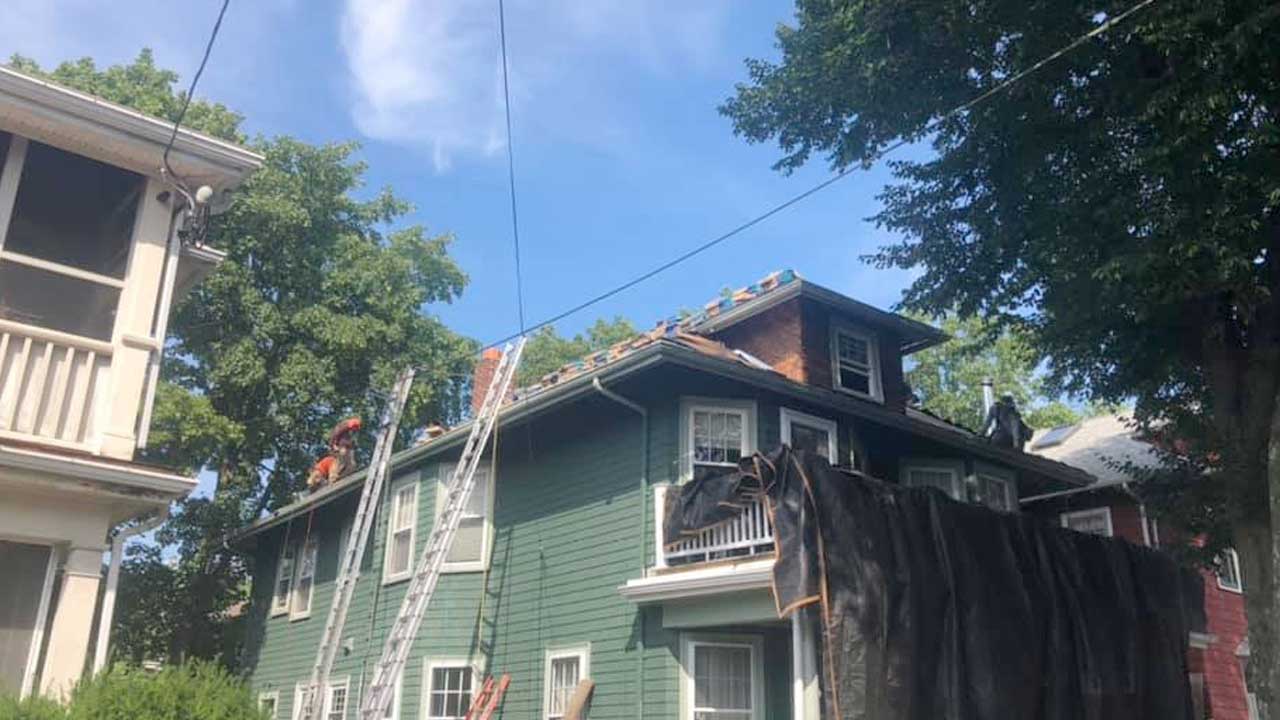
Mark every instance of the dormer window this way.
pixel 66 229
pixel 854 366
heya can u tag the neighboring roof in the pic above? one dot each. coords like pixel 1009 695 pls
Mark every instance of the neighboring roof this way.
pixel 1096 446
pixel 94 127
pixel 704 355
pixel 735 307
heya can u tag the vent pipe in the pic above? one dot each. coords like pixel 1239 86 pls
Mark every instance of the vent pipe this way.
pixel 988 396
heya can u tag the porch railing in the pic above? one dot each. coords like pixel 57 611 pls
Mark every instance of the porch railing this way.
pixel 49 382
pixel 748 535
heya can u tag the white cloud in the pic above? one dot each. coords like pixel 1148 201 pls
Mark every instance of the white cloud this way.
pixel 428 72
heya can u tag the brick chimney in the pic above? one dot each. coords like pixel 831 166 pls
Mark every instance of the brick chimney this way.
pixel 483 375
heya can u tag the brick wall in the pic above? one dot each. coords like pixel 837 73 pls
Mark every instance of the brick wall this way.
pixel 1223 677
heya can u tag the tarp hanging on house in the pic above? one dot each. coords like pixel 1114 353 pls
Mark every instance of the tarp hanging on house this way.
pixel 938 609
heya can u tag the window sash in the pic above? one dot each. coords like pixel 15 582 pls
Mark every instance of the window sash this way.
pixel 402 529
pixel 718 436
pixel 1094 521
pixel 792 419
pixel 1230 579
pixel 304 583
pixel 450 690
pixel 842 363
pixel 335 704
pixel 998 489
pixel 472 553
pixel 284 579
pixel 563 671
pixel 914 478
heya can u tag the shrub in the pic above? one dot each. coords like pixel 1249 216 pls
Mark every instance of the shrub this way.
pixel 194 691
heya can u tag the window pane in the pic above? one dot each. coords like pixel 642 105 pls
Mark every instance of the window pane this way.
pixel 400 552
pixel 1093 522
pixel 853 350
pixel 994 492
pixel 406 506
pixel 468 542
pixel 811 439
pixel 74 211
pixel 722 678
pixel 450 693
pixel 942 479
pixel 856 380
pixel 57 302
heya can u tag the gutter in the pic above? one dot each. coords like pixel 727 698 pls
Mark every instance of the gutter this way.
pixel 644 511
pixel 1123 485
pixel 132 477
pixel 113 582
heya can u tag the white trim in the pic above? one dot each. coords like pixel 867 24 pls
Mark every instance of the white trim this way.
pixel 1233 558
pixel 167 485
pixel 689 642
pixel 691 404
pixel 875 382
pixel 827 425
pixel 10 175
pixel 393 710
pixel 701 582
pixel 301 562
pixel 67 270
pixel 1005 479
pixel 409 482
pixel 581 652
pixel 299 693
pixel 805 699
pixel 280 604
pixel 429 665
pixel 1105 511
pixel 345 684
pixel 444 472
pixel 42 617
pixel 274 697
pixel 952 468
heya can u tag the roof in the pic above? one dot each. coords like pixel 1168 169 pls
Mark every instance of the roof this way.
pixel 1096 446
pixel 698 353
pixel 69 119
pixel 735 307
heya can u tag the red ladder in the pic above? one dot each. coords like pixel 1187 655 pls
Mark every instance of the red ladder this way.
pixel 489 698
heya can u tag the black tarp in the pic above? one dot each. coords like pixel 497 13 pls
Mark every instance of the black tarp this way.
pixel 933 608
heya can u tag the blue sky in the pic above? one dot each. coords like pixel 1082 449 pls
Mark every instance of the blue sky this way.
pixel 622 160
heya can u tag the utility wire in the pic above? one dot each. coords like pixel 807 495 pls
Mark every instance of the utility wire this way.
pixel 928 128
pixel 511 162
pixel 186 102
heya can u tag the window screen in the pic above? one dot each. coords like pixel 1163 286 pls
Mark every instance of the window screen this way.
pixel 565 673
pixel 34 296
pixel 722 682
pixel 23 567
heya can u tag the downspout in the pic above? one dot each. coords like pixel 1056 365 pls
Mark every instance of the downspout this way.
pixel 643 518
pixel 113 581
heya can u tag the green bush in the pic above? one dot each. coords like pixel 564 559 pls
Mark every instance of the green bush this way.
pixel 194 691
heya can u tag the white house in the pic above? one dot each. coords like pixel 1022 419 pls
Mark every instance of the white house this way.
pixel 90 262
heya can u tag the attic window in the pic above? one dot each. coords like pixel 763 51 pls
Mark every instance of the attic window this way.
pixel 854 368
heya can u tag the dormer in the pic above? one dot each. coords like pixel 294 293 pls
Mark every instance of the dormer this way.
pixel 91 260
pixel 819 337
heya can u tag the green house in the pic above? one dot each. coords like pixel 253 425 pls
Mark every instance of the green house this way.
pixel 558 572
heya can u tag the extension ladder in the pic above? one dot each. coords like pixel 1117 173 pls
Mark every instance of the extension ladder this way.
pixel 404 629
pixel 349 569
pixel 489 699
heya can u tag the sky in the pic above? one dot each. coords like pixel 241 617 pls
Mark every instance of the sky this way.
pixel 622 160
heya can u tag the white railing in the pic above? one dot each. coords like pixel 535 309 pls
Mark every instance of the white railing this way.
pixel 748 535
pixel 49 385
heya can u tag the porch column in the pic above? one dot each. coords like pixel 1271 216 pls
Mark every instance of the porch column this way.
pixel 804 667
pixel 68 643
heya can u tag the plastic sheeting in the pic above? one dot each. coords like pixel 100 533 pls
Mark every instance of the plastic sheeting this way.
pixel 933 608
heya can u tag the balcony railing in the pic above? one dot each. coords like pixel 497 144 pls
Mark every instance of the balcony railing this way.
pixel 49 385
pixel 746 536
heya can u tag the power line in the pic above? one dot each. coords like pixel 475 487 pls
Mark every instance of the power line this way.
pixel 928 128
pixel 511 162
pixel 186 102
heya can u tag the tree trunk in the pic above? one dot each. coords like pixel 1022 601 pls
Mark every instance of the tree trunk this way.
pixel 1259 547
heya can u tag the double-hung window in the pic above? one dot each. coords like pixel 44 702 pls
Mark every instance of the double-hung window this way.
pixel 810 433
pixel 1095 521
pixel 284 579
pixel 401 531
pixel 855 368
pixel 717 434
pixel 1229 571
pixel 335 702
pixel 723 678
pixel 66 232
pixel 449 689
pixel 470 549
pixel 565 669
pixel 304 584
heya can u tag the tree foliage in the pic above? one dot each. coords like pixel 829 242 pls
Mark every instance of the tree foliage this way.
pixel 547 351
pixel 1120 204
pixel 317 306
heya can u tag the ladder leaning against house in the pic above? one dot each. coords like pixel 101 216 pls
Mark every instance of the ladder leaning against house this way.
pixel 422 586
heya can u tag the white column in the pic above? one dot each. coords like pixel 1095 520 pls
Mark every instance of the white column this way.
pixel 72 621
pixel 804 668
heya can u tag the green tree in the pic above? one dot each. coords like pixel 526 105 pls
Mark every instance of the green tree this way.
pixel 547 351
pixel 317 306
pixel 947 379
pixel 1120 203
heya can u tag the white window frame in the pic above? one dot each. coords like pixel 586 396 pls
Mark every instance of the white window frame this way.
pixel 1105 512
pixel 280 605
pixel 300 562
pixel 430 665
pixel 345 685
pixel 789 417
pixel 299 692
pixel 42 612
pixel 874 380
pixel 689 405
pixel 955 470
pixel 393 710
pixel 1004 478
pixel 272 696
pixel 689 642
pixel 409 483
pixel 582 653
pixel 1231 556
pixel 444 473
pixel 10 180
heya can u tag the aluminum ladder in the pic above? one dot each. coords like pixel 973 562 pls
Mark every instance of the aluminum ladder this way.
pixel 349 569
pixel 382 684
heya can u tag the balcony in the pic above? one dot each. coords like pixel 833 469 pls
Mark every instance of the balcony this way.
pixel 749 536
pixel 50 385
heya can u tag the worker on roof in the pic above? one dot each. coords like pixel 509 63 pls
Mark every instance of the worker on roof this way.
pixel 341 458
